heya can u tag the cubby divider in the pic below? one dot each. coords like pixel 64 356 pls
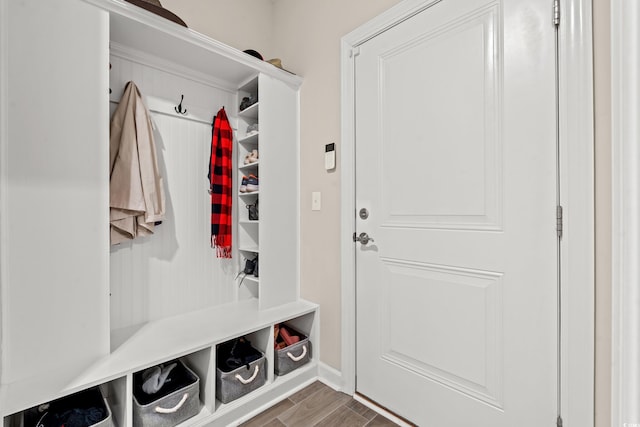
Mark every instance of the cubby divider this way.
pixel 116 392
pixel 263 341
pixel 203 364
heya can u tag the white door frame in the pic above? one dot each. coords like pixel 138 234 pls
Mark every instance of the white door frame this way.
pixel 577 189
pixel 625 125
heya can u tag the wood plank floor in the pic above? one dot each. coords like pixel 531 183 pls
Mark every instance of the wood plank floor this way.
pixel 321 406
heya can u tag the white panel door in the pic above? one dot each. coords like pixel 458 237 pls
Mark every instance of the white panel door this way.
pixel 455 164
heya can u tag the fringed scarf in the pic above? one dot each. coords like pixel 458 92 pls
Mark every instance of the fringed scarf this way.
pixel 220 171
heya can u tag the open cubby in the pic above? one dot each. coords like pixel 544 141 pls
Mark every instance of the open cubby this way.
pixel 305 324
pixel 238 382
pixel 298 355
pixel 112 394
pixel 248 235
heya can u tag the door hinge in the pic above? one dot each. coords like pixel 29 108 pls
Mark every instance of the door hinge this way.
pixel 559 221
pixel 556 12
pixel 354 52
pixel 559 421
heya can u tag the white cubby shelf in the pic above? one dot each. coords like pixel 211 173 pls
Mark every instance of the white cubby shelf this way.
pixel 251 139
pixel 250 112
pixel 193 338
pixel 252 249
pixel 249 166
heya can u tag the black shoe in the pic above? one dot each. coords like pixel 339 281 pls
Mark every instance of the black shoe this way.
pixel 255 270
pixel 249 266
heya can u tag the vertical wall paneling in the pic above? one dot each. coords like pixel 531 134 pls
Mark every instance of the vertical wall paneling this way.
pixel 55 193
pixel 4 165
pixel 279 177
pixel 175 270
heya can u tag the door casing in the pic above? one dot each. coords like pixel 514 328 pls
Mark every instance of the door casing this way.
pixel 576 187
pixel 625 106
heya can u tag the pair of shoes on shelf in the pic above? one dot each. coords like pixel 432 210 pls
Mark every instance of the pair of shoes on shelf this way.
pixel 251 267
pixel 252 129
pixel 249 184
pixel 284 337
pixel 247 102
pixel 252 157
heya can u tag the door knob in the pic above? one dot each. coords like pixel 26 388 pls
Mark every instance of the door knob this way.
pixel 363 238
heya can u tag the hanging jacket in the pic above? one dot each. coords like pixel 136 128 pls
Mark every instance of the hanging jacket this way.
pixel 136 189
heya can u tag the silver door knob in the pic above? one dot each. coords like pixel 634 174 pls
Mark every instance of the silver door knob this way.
pixel 362 238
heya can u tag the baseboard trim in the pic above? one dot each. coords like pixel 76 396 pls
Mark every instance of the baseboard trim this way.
pixel 327 375
pixel 380 410
pixel 333 378
pixel 324 373
pixel 330 377
pixel 265 403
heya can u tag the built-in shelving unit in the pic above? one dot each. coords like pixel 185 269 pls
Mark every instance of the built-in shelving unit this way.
pixel 104 313
pixel 248 146
pixel 193 339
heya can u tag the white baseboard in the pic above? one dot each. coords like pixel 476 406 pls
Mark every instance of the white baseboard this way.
pixel 330 376
pixel 388 415
pixel 257 406
pixel 333 378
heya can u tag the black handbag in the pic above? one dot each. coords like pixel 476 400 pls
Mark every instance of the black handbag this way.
pixel 253 211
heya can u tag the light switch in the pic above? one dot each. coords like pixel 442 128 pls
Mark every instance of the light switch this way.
pixel 316 201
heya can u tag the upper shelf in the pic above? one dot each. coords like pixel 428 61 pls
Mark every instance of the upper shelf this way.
pixel 249 140
pixel 144 31
pixel 251 112
pixel 248 166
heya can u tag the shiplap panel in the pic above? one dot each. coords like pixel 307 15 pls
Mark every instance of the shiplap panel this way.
pixel 54 267
pixel 161 84
pixel 175 270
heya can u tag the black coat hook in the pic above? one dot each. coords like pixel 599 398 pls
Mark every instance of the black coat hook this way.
pixel 179 109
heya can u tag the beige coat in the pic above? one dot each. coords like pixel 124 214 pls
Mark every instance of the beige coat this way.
pixel 136 188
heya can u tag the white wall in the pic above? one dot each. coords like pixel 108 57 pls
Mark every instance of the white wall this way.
pixel 243 24
pixel 307 38
pixel 305 34
pixel 602 96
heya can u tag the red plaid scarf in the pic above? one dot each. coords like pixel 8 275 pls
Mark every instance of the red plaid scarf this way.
pixel 220 171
